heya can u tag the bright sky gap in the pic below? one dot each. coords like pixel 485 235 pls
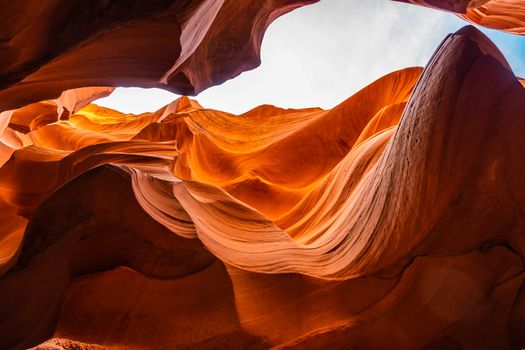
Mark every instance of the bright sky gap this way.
pixel 319 55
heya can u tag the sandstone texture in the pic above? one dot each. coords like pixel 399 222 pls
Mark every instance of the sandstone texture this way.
pixel 394 220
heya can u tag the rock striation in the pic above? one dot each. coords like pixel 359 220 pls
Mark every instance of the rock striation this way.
pixel 393 219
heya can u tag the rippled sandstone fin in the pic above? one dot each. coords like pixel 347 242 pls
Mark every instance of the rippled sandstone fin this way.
pixel 395 218
pixel 368 222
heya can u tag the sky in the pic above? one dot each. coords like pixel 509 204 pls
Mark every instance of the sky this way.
pixel 319 55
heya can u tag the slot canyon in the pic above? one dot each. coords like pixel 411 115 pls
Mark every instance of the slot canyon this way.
pixel 394 220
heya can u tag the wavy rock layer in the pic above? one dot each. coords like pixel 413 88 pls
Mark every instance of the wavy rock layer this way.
pixel 507 15
pixel 395 218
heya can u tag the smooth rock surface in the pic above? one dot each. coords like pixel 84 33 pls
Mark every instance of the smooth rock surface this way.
pixel 394 219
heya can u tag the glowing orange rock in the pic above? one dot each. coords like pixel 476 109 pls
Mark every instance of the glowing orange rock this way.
pixel 393 218
pixel 507 15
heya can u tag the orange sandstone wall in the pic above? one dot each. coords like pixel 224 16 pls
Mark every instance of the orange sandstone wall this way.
pixel 393 219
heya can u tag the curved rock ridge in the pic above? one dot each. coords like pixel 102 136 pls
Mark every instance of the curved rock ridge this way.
pixel 393 218
pixel 231 156
pixel 183 46
pixel 507 15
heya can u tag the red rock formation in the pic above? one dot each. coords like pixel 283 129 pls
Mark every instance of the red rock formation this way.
pixel 507 15
pixel 183 46
pixel 393 220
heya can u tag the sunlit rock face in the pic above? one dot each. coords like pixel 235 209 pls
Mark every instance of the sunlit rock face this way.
pixel 394 219
pixel 507 15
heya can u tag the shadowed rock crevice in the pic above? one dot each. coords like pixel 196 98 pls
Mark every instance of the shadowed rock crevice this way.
pixel 90 225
